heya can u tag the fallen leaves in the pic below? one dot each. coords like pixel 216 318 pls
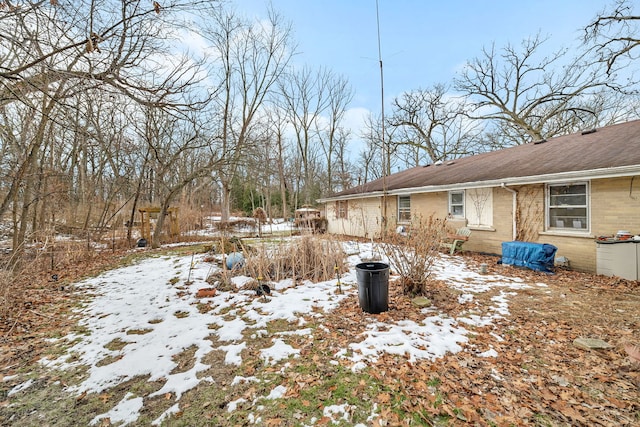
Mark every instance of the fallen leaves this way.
pixel 633 352
pixel 537 374
pixel 384 398
pixel 81 396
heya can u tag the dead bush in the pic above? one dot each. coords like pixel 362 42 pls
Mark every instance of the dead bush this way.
pixel 225 245
pixel 413 252
pixel 307 258
pixel 221 280
pixel 236 224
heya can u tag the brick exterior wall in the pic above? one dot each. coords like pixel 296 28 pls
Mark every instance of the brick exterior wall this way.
pixel 614 205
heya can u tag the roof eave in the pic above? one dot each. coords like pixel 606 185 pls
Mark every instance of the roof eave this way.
pixel 353 196
pixel 613 172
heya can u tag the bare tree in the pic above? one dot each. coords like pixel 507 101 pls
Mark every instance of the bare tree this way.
pixel 179 154
pixel 615 34
pixel 329 131
pixel 431 122
pixel 373 158
pixel 276 120
pixel 62 63
pixel 26 132
pixel 305 96
pixel 528 98
pixel 251 57
pixel 108 43
pixel 342 165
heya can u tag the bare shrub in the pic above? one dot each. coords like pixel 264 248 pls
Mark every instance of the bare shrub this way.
pixel 225 245
pixel 231 225
pixel 260 216
pixel 413 253
pixel 309 258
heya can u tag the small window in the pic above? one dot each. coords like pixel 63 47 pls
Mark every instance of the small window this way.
pixel 404 208
pixel 567 207
pixel 456 204
pixel 341 209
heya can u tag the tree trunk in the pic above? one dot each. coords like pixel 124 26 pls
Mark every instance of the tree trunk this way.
pixel 225 205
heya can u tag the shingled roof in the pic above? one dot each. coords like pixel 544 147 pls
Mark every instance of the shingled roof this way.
pixel 611 150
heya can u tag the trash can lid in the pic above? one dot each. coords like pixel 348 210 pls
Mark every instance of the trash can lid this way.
pixel 372 266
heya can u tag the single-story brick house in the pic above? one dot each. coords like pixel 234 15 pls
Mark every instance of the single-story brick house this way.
pixel 565 191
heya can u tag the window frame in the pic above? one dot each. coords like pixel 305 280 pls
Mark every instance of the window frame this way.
pixel 586 206
pixel 451 204
pixel 342 209
pixel 404 212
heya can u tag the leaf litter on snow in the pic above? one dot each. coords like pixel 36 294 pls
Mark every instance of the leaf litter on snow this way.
pixel 147 297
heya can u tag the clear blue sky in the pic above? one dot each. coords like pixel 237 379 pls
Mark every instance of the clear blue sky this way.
pixel 423 42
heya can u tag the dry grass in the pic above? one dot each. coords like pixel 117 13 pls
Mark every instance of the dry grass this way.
pixel 412 255
pixel 11 298
pixel 26 273
pixel 308 258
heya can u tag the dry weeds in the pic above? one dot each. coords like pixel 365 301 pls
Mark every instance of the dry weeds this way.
pixel 307 258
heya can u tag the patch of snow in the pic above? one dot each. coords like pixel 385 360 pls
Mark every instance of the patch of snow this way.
pixel 277 393
pixel 489 353
pixel 126 411
pixel 239 380
pixel 464 298
pixel 430 339
pixel 20 387
pixel 279 351
pixel 174 409
pixel 337 412
pixel 233 405
pixel 233 353
pixel 143 308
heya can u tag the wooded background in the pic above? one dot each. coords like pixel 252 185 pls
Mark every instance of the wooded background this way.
pixel 104 109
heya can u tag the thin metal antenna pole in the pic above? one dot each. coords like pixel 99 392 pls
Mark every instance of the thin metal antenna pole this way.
pixel 385 155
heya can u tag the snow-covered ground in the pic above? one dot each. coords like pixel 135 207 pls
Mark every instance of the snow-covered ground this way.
pixel 156 299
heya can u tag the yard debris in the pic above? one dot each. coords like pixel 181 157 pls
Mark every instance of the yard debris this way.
pixel 206 292
pixel 591 343
pixel 538 377
pixel 633 352
pixel 421 301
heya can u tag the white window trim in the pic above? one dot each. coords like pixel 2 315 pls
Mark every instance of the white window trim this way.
pixel 404 221
pixel 464 209
pixel 567 231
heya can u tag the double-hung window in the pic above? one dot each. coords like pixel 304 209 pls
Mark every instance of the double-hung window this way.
pixel 456 204
pixel 567 206
pixel 404 208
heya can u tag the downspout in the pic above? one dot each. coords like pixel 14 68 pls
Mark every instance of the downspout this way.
pixel 514 208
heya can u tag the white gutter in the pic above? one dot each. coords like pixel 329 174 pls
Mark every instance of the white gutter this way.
pixel 614 172
pixel 353 196
pixel 514 209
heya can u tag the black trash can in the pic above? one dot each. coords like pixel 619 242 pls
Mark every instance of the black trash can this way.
pixel 373 286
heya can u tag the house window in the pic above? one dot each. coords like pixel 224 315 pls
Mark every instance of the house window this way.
pixel 567 207
pixel 341 209
pixel 456 204
pixel 404 208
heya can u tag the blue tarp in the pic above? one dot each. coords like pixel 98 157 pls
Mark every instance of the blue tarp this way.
pixel 536 256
